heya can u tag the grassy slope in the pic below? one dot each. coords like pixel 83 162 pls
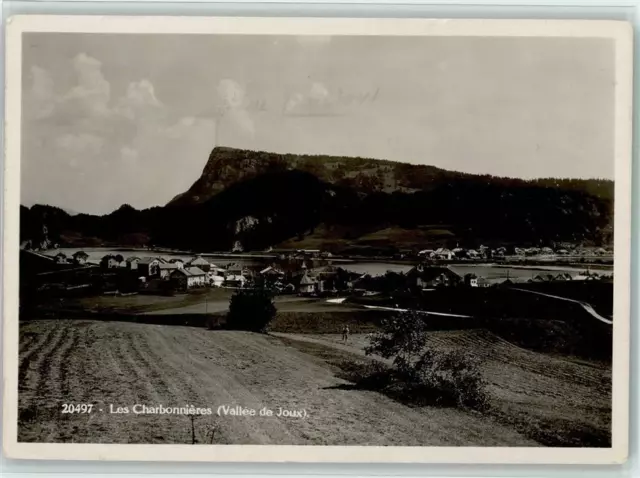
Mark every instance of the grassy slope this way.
pixel 123 364
pixel 555 401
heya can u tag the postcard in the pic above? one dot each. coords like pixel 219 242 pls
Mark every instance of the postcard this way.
pixel 317 240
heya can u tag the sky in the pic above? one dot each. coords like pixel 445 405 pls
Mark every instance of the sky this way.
pixel 109 119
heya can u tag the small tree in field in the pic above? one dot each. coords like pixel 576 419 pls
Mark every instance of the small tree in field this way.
pixel 251 309
pixel 421 374
pixel 402 338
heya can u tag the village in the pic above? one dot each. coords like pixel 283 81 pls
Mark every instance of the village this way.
pixel 308 273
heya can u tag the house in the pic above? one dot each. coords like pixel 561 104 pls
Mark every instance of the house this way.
pixel 443 254
pixel 471 280
pixel 200 263
pixel 482 282
pixel 427 277
pixel 235 280
pixel 148 266
pixel 60 258
pixel 499 252
pixel 236 269
pixel 199 276
pixel 178 262
pixel 110 262
pixel 307 285
pixel 187 278
pixel 216 280
pixel 272 272
pixel 132 263
pixel 271 275
pixel 309 252
pixel 166 268
pixel 80 257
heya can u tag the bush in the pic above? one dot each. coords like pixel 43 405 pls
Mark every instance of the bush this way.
pixel 418 375
pixel 251 310
pixel 450 378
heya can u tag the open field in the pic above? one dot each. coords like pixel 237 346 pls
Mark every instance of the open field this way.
pixel 195 302
pixel 558 401
pixel 121 364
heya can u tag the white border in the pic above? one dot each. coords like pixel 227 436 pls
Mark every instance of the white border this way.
pixel 620 32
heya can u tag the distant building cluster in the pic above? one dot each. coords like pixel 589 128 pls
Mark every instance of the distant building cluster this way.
pixel 199 272
pixel 305 273
pixel 486 253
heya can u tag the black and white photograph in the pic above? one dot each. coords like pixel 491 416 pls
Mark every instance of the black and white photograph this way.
pixel 369 235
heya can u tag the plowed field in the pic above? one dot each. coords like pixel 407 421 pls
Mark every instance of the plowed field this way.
pixel 118 364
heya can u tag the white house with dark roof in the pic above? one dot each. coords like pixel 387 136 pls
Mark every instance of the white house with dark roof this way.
pixel 132 263
pixel 308 285
pixel 166 268
pixel 200 263
pixel 189 277
pixel 148 266
pixel 199 277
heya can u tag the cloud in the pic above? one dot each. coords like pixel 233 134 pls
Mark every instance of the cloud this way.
pixel 140 100
pixel 85 132
pixel 78 148
pixel 40 100
pixel 316 101
pixel 128 155
pixel 235 105
pixel 231 93
pixel 93 91
pixel 82 143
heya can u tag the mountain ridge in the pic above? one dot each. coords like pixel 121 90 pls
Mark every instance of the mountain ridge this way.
pixel 248 200
pixel 227 165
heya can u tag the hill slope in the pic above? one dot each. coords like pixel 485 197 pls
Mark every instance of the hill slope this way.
pixel 254 200
pixel 227 166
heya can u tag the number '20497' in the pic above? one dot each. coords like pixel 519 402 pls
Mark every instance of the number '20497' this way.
pixel 77 407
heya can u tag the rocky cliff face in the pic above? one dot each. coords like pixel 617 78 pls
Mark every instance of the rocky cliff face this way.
pixel 227 166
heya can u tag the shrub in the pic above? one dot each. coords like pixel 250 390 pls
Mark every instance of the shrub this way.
pixel 251 309
pixel 449 377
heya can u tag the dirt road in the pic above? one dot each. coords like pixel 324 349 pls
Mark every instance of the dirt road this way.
pixel 586 306
pixel 115 364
